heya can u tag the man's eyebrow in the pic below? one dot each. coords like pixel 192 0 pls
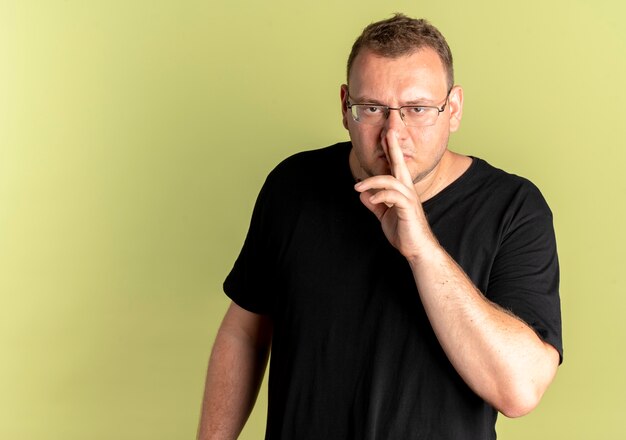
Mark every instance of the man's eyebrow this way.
pixel 420 101
pixel 368 100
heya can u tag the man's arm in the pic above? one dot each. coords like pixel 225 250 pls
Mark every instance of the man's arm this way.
pixel 235 372
pixel 500 357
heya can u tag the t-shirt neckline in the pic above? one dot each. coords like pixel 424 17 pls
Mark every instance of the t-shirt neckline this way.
pixel 449 189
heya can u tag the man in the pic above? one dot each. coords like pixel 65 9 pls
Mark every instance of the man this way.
pixel 425 329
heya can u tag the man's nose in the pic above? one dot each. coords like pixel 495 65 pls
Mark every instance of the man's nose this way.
pixel 394 121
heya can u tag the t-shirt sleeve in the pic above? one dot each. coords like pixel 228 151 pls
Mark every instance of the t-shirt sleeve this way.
pixel 525 273
pixel 250 282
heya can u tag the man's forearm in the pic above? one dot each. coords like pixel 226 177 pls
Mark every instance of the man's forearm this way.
pixel 235 372
pixel 499 356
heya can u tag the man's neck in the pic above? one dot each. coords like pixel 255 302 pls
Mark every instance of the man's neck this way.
pixel 450 168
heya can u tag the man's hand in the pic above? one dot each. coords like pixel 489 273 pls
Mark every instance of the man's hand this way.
pixel 394 200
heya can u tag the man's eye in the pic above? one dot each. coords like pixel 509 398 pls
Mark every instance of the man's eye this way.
pixel 372 110
pixel 417 110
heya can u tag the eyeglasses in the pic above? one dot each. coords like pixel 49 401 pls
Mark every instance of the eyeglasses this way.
pixel 412 115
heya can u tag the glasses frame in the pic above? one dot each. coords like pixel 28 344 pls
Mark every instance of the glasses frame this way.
pixel 388 109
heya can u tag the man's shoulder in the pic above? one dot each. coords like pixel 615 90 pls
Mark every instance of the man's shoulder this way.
pixel 490 175
pixel 503 185
pixel 309 165
pixel 329 155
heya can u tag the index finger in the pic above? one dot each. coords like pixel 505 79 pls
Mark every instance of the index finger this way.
pixel 398 166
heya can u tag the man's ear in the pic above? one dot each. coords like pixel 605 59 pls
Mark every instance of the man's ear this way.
pixel 344 104
pixel 455 104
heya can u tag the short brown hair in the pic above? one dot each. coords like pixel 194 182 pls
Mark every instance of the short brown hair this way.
pixel 401 35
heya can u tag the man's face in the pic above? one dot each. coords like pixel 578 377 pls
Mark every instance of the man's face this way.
pixel 416 79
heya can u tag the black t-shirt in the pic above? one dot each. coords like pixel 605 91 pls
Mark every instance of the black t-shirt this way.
pixel 353 353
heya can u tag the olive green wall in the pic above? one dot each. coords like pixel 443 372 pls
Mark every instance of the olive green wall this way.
pixel 134 136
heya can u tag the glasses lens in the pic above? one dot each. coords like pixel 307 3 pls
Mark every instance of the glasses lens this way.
pixel 419 116
pixel 369 114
